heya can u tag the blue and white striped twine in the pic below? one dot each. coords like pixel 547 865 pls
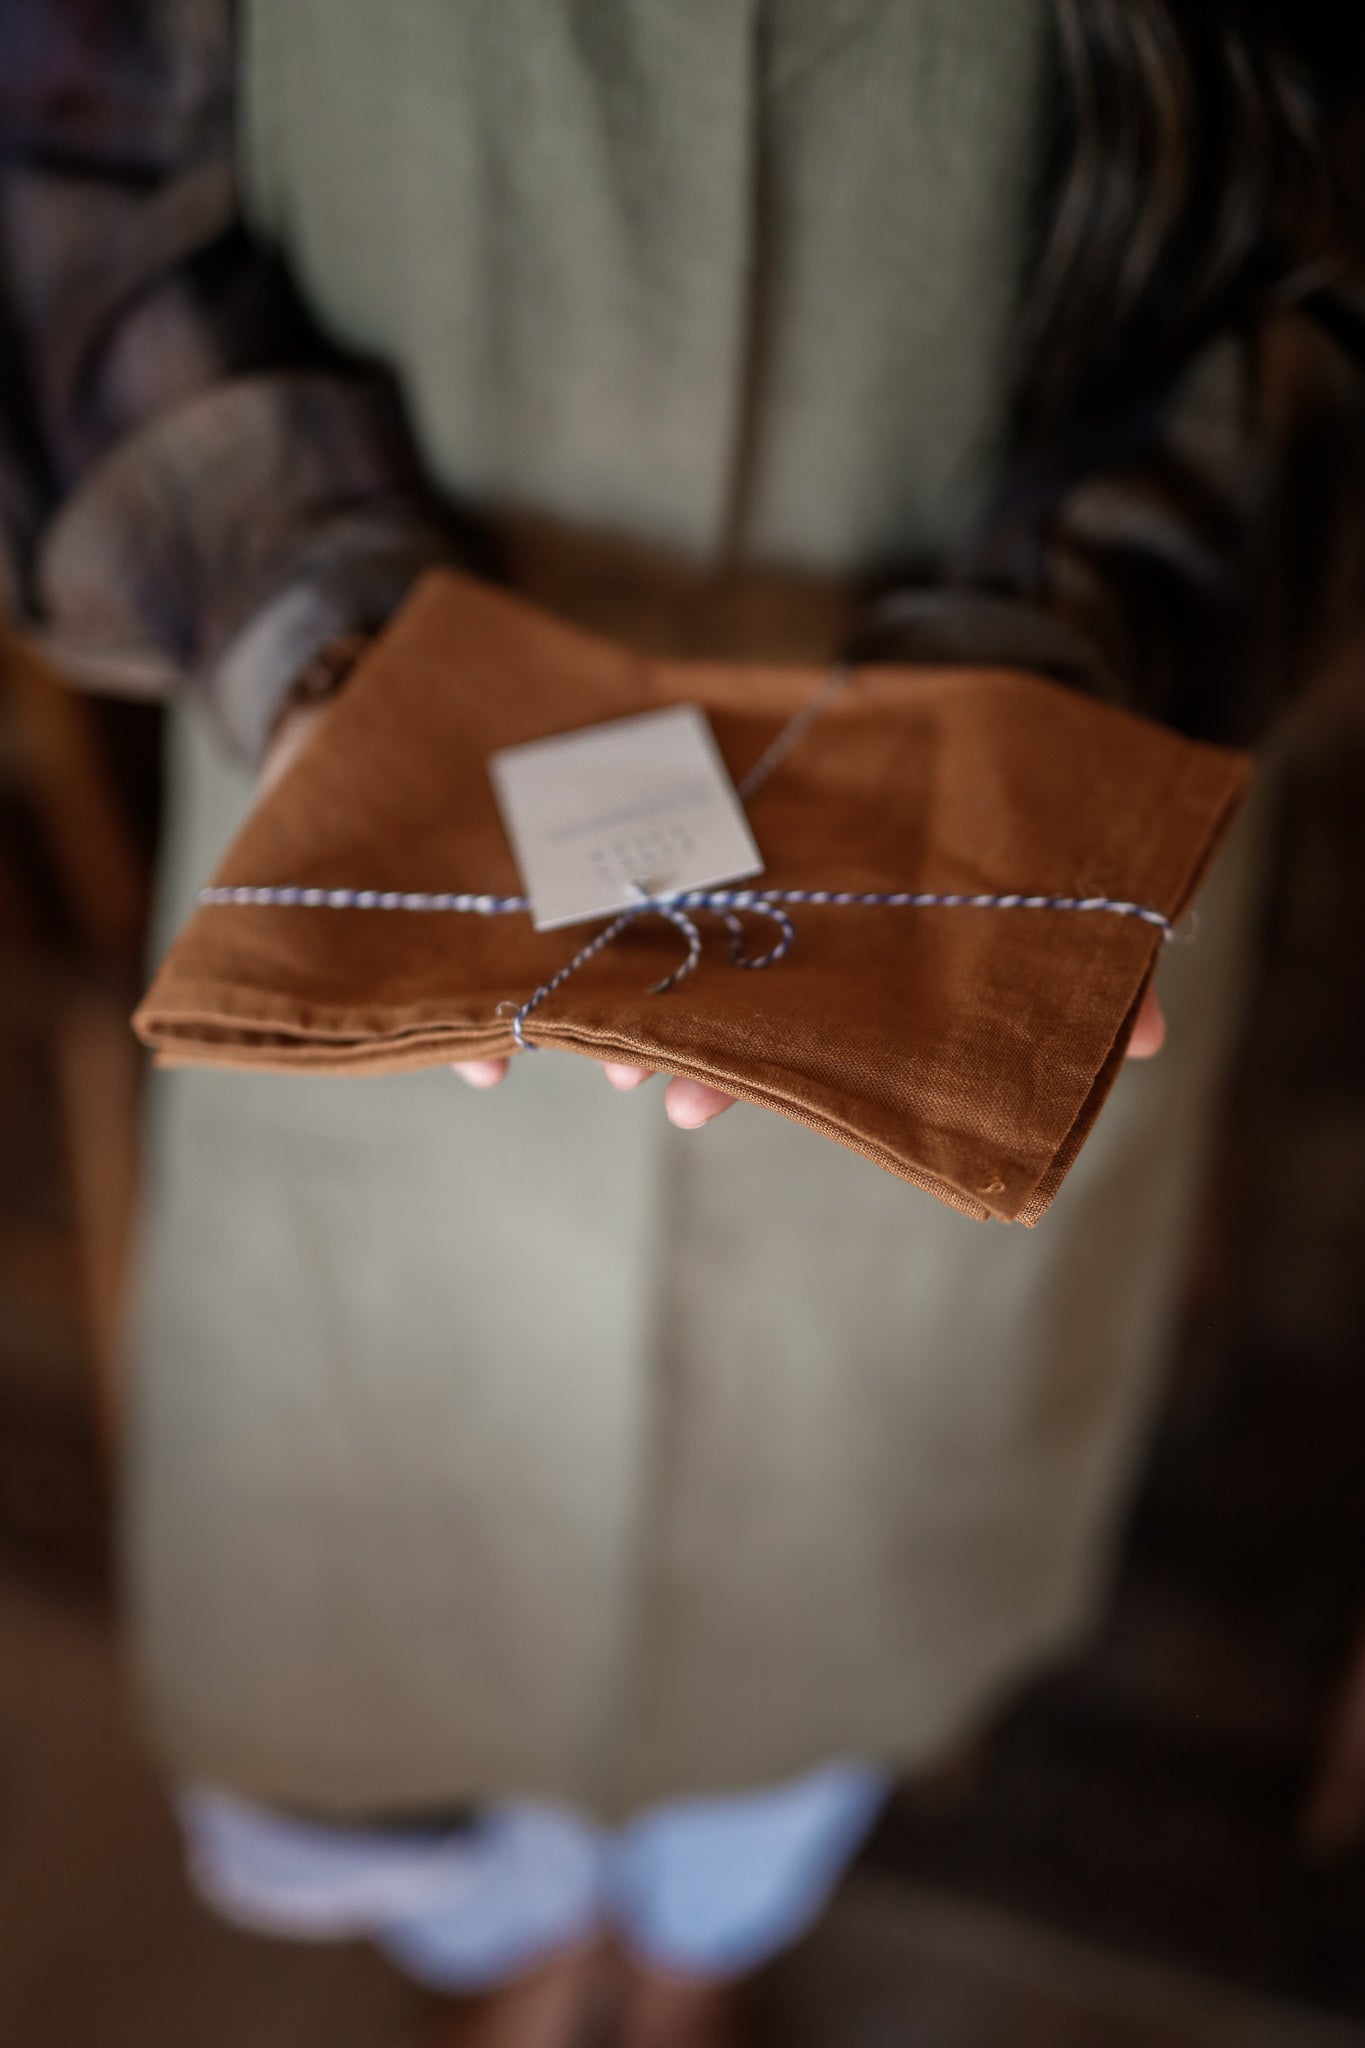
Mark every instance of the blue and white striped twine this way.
pixel 727 903
pixel 675 905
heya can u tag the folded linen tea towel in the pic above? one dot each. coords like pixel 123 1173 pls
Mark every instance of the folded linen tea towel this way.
pixel 966 1049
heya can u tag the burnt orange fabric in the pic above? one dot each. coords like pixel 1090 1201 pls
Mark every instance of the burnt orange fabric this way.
pixel 967 1050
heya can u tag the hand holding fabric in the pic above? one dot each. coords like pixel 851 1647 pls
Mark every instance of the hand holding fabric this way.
pixel 985 864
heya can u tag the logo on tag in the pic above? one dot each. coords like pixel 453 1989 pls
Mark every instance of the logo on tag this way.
pixel 640 805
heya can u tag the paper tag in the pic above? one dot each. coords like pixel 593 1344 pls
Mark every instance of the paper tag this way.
pixel 598 815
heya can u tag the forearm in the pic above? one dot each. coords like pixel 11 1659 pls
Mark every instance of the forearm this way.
pixel 236 535
pixel 1199 569
pixel 191 480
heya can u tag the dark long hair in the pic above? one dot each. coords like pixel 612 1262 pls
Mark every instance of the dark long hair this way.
pixel 1210 171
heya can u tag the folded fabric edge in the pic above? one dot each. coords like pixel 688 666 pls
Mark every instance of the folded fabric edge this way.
pixel 1064 1158
pixel 1236 781
pixel 183 1046
pixel 206 1030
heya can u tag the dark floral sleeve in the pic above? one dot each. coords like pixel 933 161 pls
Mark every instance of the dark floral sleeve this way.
pixel 192 486
pixel 1198 561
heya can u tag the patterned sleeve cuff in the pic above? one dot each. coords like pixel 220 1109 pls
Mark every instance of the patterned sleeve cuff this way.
pixel 235 535
pixel 259 668
pixel 351 577
pixel 952 624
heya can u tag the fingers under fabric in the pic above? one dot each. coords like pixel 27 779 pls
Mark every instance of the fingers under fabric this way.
pixel 1149 1030
pixel 480 1073
pixel 624 1077
pixel 690 1104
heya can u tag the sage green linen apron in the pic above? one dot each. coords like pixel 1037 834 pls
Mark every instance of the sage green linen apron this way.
pixel 516 1443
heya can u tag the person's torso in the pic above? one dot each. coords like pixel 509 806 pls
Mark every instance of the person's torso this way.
pixel 734 277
